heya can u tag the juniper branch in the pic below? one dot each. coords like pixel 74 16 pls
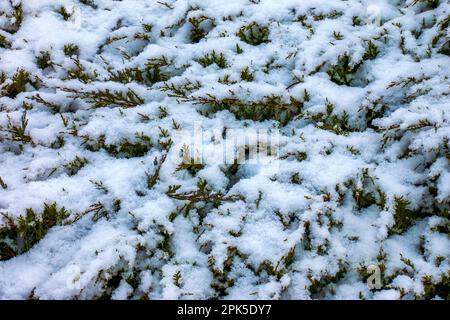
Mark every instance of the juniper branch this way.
pixel 106 97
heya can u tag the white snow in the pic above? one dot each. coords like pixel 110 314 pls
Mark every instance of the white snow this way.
pixel 303 224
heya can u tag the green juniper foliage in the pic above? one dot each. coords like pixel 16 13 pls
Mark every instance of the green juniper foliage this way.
pixel 20 235
pixel 164 140
pixel 152 179
pixel 213 58
pixel 375 111
pixel 106 97
pixel 162 112
pixel 3 184
pixel 332 15
pixel 17 17
pixel 90 3
pixel 403 214
pixel 337 123
pixel 18 132
pixel 183 89
pixel 154 79
pixel 4 42
pixel 434 289
pixel 247 75
pixel 147 28
pixel 152 72
pixel 198 31
pixel 306 96
pixel 71 49
pixel 337 35
pixel 64 13
pixel 188 163
pixel 238 49
pixel 177 279
pixel 319 285
pixel 204 193
pixel 222 279
pixel 59 142
pixel 371 52
pixel 75 165
pixel 99 186
pixel 364 191
pixel 356 21
pixel 52 106
pixel 429 3
pixel 79 72
pixel 175 125
pixel 126 148
pixel 44 60
pixel 18 84
pixel 254 34
pixel 343 72
pixel 127 75
pixel 281 267
pixel 270 108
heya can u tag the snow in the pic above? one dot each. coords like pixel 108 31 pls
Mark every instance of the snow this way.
pixel 300 225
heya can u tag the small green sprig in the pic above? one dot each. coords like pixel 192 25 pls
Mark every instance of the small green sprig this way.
pixel 213 58
pixel 254 34
pixel 105 97
pixel 17 236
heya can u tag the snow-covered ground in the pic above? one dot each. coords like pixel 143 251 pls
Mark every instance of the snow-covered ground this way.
pixel 114 116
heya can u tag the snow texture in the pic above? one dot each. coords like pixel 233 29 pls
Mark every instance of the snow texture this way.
pixel 99 99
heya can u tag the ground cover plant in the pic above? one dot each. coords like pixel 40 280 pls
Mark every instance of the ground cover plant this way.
pixel 102 195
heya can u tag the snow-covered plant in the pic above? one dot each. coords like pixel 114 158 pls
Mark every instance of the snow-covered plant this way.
pixel 131 148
